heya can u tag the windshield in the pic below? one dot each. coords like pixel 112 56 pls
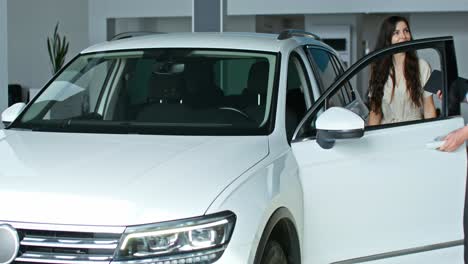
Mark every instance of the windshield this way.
pixel 159 91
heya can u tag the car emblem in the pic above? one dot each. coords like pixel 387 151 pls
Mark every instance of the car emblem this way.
pixel 9 244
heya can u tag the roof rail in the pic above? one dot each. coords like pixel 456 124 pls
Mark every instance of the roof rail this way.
pixel 288 33
pixel 131 34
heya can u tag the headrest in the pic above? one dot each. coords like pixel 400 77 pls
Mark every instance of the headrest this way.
pixel 166 87
pixel 198 77
pixel 258 77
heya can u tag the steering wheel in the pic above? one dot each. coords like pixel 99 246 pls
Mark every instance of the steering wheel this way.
pixel 234 110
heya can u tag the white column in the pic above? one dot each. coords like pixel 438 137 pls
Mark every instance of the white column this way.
pixel 3 55
pixel 207 15
pixel 223 16
pixel 97 30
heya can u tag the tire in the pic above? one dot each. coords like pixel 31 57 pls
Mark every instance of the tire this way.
pixel 273 254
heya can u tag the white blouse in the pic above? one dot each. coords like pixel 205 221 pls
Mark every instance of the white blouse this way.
pixel 402 108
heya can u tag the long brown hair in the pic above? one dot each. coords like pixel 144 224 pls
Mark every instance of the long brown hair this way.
pixel 383 68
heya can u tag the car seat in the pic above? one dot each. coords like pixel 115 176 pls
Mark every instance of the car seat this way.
pixel 254 95
pixel 165 99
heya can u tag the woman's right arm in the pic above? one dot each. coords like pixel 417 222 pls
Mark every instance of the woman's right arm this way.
pixel 374 118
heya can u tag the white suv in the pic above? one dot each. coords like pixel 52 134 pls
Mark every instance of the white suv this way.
pixel 226 148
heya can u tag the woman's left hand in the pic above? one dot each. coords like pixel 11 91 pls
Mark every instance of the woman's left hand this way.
pixel 439 94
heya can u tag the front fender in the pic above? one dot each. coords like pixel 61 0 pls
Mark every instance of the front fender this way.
pixel 254 198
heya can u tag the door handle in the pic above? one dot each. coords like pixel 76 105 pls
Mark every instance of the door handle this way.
pixel 436 143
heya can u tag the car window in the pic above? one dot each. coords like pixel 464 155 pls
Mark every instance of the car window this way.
pixel 325 70
pixel 231 75
pixel 328 68
pixel 430 61
pixel 393 107
pixel 347 91
pixel 169 91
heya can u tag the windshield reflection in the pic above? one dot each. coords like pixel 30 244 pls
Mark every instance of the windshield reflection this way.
pixel 158 91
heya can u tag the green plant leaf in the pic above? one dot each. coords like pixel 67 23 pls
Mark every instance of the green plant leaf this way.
pixel 57 47
pixel 56 29
pixel 51 56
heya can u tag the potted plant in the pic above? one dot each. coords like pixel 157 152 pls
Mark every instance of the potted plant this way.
pixel 58 48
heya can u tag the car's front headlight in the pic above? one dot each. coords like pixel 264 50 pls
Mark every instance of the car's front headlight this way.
pixel 196 240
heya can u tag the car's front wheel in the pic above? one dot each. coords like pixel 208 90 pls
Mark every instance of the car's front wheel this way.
pixel 274 254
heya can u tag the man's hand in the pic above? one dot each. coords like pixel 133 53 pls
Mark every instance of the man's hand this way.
pixel 455 139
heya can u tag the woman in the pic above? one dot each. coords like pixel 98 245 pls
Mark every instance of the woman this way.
pixel 395 86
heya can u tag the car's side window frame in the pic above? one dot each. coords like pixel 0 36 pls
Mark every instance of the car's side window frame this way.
pixel 308 91
pixel 347 90
pixel 304 79
pixel 443 45
pixel 314 66
pixel 337 68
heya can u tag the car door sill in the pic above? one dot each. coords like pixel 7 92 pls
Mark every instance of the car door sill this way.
pixel 402 252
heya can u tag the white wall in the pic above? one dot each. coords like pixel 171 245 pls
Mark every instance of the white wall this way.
pixel 348 20
pixel 239 24
pixel 249 7
pixel 453 24
pixel 169 24
pixel 101 10
pixel 370 28
pixel 29 25
pixel 3 56
pixel 154 24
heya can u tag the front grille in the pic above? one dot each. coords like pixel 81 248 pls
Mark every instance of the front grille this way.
pixel 66 244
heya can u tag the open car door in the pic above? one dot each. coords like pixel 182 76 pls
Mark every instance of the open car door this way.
pixel 383 194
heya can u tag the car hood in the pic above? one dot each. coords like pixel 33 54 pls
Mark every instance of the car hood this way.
pixel 117 180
